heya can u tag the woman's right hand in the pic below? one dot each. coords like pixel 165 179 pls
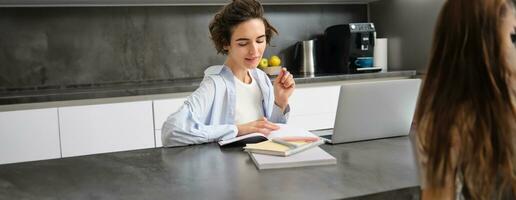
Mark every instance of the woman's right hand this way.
pixel 263 126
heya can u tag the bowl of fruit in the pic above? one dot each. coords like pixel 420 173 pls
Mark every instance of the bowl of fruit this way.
pixel 271 66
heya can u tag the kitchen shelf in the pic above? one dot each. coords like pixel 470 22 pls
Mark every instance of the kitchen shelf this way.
pixel 99 3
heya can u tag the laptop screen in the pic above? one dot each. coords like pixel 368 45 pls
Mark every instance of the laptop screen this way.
pixel 375 109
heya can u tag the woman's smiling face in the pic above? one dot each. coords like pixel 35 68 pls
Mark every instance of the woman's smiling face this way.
pixel 247 44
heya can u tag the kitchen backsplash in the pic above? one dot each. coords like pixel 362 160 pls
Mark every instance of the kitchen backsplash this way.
pixel 56 47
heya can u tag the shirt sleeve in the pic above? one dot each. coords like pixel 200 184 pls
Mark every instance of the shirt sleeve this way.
pixel 278 116
pixel 189 124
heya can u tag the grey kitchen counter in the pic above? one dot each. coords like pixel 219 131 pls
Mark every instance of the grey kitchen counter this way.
pixel 375 169
pixel 137 88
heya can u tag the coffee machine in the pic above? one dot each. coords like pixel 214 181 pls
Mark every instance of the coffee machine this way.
pixel 349 48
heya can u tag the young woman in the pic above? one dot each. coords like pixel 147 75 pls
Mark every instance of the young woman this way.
pixel 466 118
pixel 235 98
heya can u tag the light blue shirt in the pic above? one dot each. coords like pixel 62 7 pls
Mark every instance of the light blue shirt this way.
pixel 208 114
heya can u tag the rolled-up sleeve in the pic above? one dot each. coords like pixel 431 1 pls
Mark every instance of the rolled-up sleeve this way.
pixel 279 116
pixel 189 125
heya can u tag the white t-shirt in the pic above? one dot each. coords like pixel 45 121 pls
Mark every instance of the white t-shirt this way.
pixel 249 105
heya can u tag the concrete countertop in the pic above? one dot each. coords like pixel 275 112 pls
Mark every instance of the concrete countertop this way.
pixel 375 169
pixel 127 89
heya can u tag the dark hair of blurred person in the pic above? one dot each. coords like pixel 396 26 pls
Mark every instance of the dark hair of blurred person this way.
pixel 465 117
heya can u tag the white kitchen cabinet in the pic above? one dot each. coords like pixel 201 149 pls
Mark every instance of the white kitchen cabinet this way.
pixel 314 99
pixel 314 107
pixel 157 135
pixel 105 128
pixel 314 121
pixel 162 109
pixel 28 135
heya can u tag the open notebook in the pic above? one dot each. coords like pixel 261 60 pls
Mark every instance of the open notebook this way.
pixel 284 131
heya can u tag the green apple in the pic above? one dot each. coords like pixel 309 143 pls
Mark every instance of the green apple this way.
pixel 264 63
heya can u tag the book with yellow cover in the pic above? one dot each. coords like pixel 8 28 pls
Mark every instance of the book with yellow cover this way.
pixel 283 146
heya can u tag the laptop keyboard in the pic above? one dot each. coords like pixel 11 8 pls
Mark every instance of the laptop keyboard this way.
pixel 324 133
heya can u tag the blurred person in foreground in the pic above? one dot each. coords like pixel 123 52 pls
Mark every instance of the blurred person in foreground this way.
pixel 465 118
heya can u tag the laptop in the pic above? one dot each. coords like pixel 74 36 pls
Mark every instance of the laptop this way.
pixel 373 110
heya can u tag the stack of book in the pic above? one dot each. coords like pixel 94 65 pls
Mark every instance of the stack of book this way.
pixel 289 147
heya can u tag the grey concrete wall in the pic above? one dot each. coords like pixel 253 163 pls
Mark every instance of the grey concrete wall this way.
pixel 49 47
pixel 409 26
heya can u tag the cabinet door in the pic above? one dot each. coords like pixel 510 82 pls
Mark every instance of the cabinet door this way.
pixel 106 128
pixel 162 109
pixel 313 100
pixel 28 135
pixel 314 121
pixel 314 107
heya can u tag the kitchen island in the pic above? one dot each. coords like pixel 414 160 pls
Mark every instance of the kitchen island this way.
pixel 375 169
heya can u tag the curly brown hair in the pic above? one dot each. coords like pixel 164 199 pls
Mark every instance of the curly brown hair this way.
pixel 231 15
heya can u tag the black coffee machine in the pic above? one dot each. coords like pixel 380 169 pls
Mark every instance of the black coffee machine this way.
pixel 349 48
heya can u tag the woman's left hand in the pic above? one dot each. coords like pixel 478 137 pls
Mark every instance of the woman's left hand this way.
pixel 283 87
